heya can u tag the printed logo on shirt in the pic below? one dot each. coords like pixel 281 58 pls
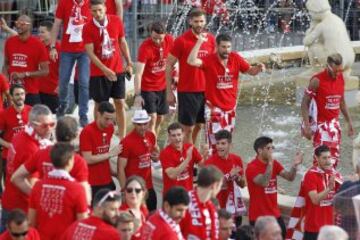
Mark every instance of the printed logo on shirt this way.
pixel 84 231
pixel 18 129
pixel 207 223
pixel 102 149
pixel 271 187
pixel 224 81
pixel 158 66
pixel 144 161
pixel 194 211
pixel 183 175
pixel 19 60
pixel 333 102
pixel 51 200
pixel 202 53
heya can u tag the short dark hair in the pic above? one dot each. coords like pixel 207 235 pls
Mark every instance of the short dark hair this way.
pixel 261 142
pixel 101 194
pixel 61 153
pixel 223 37
pixel 174 126
pixel 15 86
pixel 223 134
pixel 66 129
pixel 209 175
pixel 196 12
pixel 245 232
pixel 177 195
pixel 158 27
pixel 16 216
pixel 335 58
pixel 48 24
pixel 97 2
pixel 106 106
pixel 321 149
pixel 224 214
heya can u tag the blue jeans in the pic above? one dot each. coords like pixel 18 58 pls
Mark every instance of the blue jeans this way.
pixel 67 61
pixel 4 219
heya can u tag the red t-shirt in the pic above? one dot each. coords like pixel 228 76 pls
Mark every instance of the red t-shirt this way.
pixel 92 228
pixel 64 12
pixel 170 158
pixel 225 165
pixel 25 56
pixel 201 219
pixel 143 209
pixel 137 149
pixel 49 83
pixel 328 96
pixel 31 235
pixel 191 79
pixel 111 7
pixel 222 84
pixel 97 141
pixel 56 201
pixel 4 87
pixel 263 201
pixel 313 222
pixel 41 163
pixel 154 58
pixel 92 35
pixel 10 124
pixel 157 229
pixel 24 147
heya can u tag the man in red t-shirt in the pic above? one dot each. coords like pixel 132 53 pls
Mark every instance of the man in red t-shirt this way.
pixel 201 219
pixel 150 82
pixel 164 224
pixel 319 187
pixel 18 227
pixel 221 70
pixel 139 148
pixel 191 85
pixel 72 14
pixel 49 84
pixel 178 160
pixel 4 91
pixel 23 146
pixel 95 142
pixel 58 201
pixel 232 167
pixel 105 43
pixel 66 131
pixel 25 59
pixel 321 105
pixel 100 225
pixel 12 120
pixel 261 175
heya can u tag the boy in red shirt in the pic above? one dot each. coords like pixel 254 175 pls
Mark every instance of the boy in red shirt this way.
pixel 25 59
pixel 105 42
pixel 4 91
pixel 150 82
pixel 201 219
pixel 164 224
pixel 95 142
pixel 18 227
pixel 191 85
pixel 321 105
pixel 100 225
pixel 58 201
pixel 261 175
pixel 221 70
pixel 139 147
pixel 178 160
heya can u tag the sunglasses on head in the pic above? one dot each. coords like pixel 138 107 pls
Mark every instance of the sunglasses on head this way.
pixel 19 22
pixel 136 190
pixel 22 234
pixel 110 194
pixel 44 125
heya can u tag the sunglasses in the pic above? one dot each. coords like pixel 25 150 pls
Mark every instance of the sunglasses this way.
pixel 110 194
pixel 136 190
pixel 21 23
pixel 23 234
pixel 44 125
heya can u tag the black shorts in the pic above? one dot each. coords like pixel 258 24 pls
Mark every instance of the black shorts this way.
pixel 101 88
pixel 32 99
pixel 191 108
pixel 155 102
pixel 52 101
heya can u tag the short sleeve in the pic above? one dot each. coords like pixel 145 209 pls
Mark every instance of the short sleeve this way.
pixel 143 54
pixel 81 205
pixel 196 156
pixel 31 164
pixel 87 36
pixel 251 172
pixel 85 141
pixel 126 149
pixel 238 162
pixel 121 28
pixel 277 168
pixel 4 84
pixel 243 65
pixel 43 54
pixel 80 170
pixel 60 10
pixel 309 183
pixel 164 160
pixel 176 51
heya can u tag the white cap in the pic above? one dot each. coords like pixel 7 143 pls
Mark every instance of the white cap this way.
pixel 140 116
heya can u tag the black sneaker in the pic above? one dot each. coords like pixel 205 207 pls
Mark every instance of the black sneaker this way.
pixel 83 121
pixel 60 111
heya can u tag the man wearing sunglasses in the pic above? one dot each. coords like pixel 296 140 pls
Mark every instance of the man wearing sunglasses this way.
pixel 24 145
pixel 25 59
pixel 100 225
pixel 261 175
pixel 321 106
pixel 18 227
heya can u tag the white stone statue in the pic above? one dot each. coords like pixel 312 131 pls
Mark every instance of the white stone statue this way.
pixel 327 35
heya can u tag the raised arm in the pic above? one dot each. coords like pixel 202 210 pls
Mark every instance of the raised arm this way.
pixel 291 174
pixel 193 59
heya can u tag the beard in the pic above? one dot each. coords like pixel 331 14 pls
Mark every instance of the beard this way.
pixel 108 220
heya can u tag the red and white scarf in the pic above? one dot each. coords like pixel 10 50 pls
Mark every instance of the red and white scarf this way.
pixel 76 22
pixel 107 48
pixel 172 224
pixel 234 204
pixel 60 174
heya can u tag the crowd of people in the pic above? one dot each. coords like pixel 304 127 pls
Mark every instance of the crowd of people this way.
pixel 54 191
